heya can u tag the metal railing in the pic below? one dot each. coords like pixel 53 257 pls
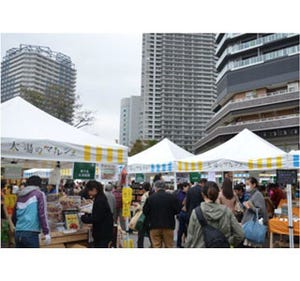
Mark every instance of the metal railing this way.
pixel 234 65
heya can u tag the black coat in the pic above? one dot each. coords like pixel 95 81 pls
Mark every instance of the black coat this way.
pixel 101 218
pixel 160 208
pixel 193 199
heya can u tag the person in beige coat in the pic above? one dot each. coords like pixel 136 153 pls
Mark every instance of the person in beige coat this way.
pixel 218 216
pixel 226 195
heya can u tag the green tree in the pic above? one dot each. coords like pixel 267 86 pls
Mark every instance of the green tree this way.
pixel 54 101
pixel 141 145
pixel 59 104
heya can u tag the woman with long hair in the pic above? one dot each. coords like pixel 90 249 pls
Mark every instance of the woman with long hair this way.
pixel 101 217
pixel 226 196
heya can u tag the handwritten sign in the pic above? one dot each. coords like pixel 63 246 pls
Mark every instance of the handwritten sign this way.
pixel 285 177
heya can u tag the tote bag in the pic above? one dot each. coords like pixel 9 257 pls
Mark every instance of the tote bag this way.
pixel 134 220
pixel 254 231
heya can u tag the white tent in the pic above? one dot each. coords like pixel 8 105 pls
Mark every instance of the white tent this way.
pixel 43 173
pixel 28 133
pixel 244 152
pixel 294 159
pixel 159 158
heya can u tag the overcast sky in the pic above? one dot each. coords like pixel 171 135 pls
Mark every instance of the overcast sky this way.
pixel 108 68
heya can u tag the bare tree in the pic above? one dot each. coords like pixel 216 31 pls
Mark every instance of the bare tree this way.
pixel 82 117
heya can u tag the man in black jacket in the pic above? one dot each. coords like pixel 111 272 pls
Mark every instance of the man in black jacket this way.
pixel 161 208
pixel 194 197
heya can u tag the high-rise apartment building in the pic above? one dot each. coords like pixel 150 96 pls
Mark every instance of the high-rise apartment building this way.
pixel 178 86
pixel 129 120
pixel 257 88
pixel 37 68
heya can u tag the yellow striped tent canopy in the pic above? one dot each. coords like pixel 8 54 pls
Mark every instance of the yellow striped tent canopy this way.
pixel 271 163
pixel 244 152
pixel 32 134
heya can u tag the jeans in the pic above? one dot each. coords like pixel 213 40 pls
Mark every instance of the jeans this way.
pixel 160 237
pixel 182 227
pixel 27 239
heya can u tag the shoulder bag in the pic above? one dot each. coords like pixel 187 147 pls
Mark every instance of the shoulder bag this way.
pixel 254 231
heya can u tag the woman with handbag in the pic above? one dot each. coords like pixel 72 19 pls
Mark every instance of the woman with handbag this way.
pixel 255 209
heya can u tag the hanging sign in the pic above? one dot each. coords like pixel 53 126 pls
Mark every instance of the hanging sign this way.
pixel 194 177
pixel 84 171
pixel 108 172
pixel 139 178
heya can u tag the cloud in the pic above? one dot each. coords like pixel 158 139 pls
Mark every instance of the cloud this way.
pixel 105 126
pixel 108 69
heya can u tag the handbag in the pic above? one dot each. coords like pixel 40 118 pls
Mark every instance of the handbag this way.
pixel 254 231
pixel 134 220
pixel 140 223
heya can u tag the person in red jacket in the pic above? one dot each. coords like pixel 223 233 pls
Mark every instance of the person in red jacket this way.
pixel 118 195
pixel 276 194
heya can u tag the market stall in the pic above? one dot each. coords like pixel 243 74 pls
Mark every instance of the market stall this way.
pixel 160 158
pixel 33 138
pixel 280 225
pixel 244 152
pixel 30 134
pixel 248 152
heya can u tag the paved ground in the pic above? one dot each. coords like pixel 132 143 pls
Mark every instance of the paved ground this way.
pixel 280 241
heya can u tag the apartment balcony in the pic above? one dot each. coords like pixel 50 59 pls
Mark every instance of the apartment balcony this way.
pixel 283 122
pixel 275 99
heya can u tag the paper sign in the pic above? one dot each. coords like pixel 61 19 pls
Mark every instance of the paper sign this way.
pixel 211 176
pixel 54 176
pixel 13 172
pixel 126 210
pixel 72 221
pixel 108 172
pixel 126 195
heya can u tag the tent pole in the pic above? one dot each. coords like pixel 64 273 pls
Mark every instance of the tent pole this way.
pixel 290 215
pixel 175 181
pixel 58 177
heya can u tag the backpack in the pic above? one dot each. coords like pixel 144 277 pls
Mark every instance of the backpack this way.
pixel 213 237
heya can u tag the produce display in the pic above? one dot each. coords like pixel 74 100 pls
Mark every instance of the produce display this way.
pixel 52 197
pixel 55 216
pixel 86 206
pixel 63 212
pixel 70 202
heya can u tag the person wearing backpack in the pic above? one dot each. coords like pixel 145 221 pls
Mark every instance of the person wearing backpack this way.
pixel 213 225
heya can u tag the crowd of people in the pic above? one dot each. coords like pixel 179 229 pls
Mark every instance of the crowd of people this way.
pixel 193 205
